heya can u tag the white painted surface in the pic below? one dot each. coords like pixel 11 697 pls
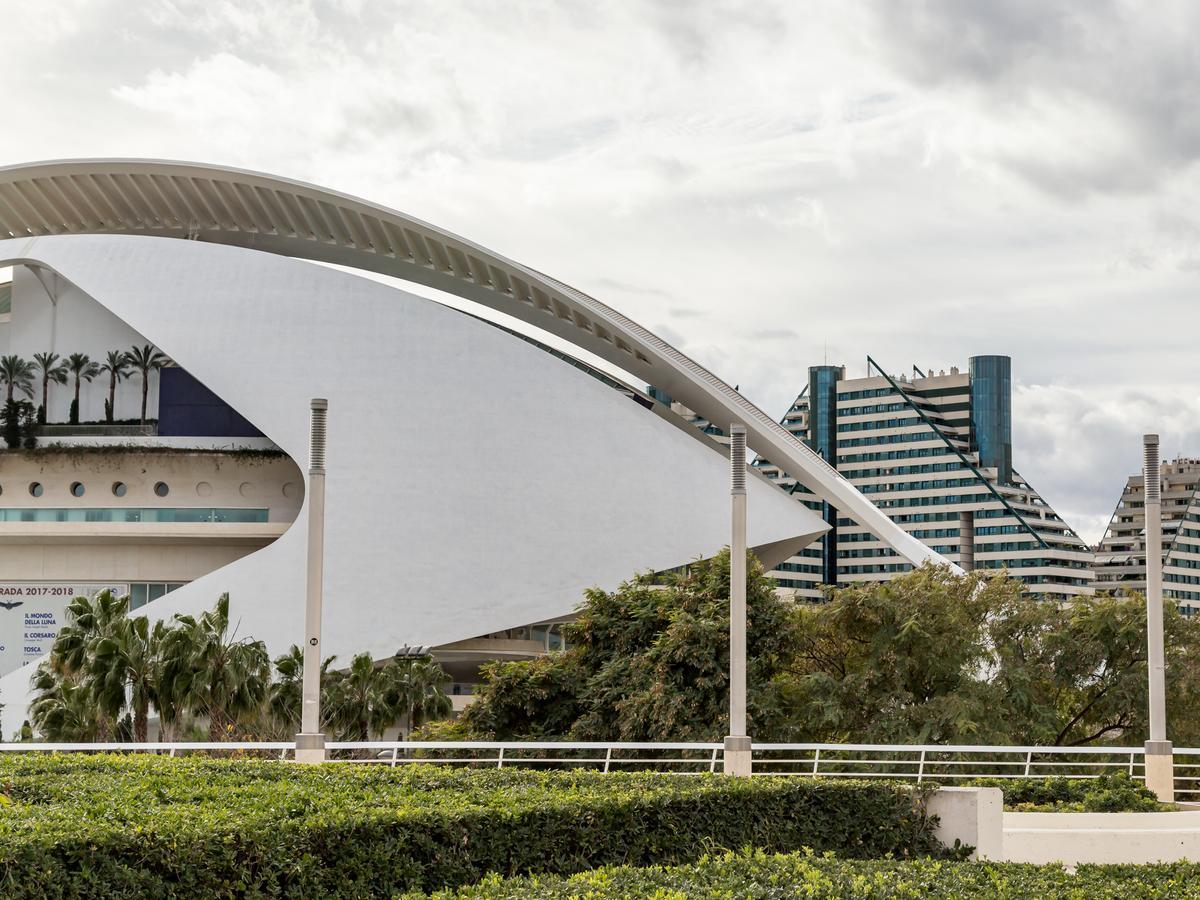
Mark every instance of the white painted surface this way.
pixel 971 816
pixel 1074 838
pixel 475 482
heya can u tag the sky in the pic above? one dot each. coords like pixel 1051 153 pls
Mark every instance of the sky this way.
pixel 768 185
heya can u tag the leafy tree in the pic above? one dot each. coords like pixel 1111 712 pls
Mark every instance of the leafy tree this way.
pixel 16 374
pixel 214 673
pixel 17 422
pixel 897 661
pixel 145 360
pixel 53 369
pixel 116 365
pixel 80 366
pixel 648 661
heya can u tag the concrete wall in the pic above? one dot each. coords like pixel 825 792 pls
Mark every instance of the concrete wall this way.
pixel 972 817
pixel 1074 838
pixel 194 479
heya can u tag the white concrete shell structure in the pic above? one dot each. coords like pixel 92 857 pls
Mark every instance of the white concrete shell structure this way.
pixel 453 443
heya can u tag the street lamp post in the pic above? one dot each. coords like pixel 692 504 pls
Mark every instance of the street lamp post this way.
pixel 737 742
pixel 1160 771
pixel 310 742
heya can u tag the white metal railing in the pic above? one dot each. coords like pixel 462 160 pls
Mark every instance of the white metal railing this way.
pixel 942 763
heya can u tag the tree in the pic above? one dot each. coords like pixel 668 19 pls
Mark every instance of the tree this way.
pixel 52 369
pixel 360 703
pixel 897 661
pixel 286 692
pixel 416 688
pixel 89 621
pixel 649 661
pixel 933 657
pixel 62 709
pixel 213 672
pixel 127 660
pixel 145 360
pixel 80 366
pixel 116 365
pixel 18 422
pixel 16 374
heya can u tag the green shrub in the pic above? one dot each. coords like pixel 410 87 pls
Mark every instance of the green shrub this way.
pixel 754 874
pixel 1115 792
pixel 114 827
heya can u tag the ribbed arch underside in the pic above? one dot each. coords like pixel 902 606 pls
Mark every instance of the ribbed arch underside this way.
pixel 228 206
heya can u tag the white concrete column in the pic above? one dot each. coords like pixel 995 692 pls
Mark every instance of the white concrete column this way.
pixel 737 743
pixel 1160 776
pixel 310 742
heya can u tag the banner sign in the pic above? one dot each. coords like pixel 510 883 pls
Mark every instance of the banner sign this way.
pixel 32 613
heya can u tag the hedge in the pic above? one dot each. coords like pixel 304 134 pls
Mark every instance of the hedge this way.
pixel 755 874
pixel 152 826
pixel 1115 792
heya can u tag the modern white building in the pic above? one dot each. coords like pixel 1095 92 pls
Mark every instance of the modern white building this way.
pixel 1120 563
pixel 554 483
pixel 934 452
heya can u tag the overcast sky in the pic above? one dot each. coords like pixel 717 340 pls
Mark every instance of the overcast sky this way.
pixel 766 184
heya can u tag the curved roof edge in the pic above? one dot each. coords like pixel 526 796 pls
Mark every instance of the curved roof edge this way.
pixel 195 201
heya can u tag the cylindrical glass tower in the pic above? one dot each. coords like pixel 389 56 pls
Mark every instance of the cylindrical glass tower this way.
pixel 991 413
pixel 822 437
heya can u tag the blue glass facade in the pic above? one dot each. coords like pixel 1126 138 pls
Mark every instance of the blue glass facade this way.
pixel 822 437
pixel 991 413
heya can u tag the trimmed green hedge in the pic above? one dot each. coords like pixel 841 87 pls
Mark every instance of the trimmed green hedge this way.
pixel 128 826
pixel 760 875
pixel 1115 792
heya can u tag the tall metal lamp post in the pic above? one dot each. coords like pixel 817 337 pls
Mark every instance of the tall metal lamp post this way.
pixel 1160 769
pixel 737 742
pixel 310 742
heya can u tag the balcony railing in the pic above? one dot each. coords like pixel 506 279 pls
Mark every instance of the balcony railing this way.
pixel 134 514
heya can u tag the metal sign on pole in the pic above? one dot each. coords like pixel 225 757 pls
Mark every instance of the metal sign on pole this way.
pixel 310 742
pixel 1160 774
pixel 737 743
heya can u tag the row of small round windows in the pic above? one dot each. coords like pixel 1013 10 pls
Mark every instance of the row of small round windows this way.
pixel 161 489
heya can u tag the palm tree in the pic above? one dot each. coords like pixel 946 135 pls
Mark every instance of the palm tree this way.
pixel 81 366
pixel 127 659
pixel 286 691
pixel 145 360
pixel 418 684
pixel 62 709
pixel 361 703
pixel 116 364
pixel 16 373
pixel 89 622
pixel 52 369
pixel 215 673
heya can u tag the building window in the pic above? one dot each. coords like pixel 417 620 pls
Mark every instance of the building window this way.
pixel 77 489
pixel 162 489
pixel 119 489
pixel 36 489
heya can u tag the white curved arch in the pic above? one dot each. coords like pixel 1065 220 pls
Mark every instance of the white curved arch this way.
pixel 263 212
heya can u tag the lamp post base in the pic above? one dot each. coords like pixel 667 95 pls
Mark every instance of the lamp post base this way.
pixel 738 756
pixel 1160 770
pixel 310 748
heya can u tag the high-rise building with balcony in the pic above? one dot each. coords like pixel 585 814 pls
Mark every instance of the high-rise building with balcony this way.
pixel 934 452
pixel 1120 563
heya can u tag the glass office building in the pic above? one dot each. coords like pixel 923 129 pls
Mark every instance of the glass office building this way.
pixel 933 450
